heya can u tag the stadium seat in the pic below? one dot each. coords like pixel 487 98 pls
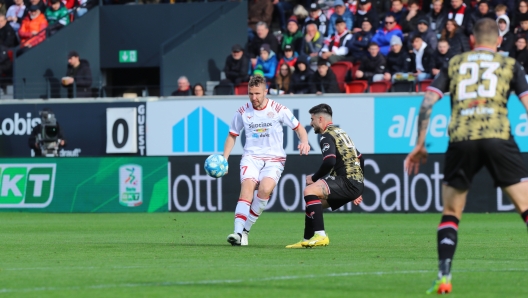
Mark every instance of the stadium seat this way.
pixel 241 89
pixel 423 85
pixel 341 69
pixel 380 87
pixel 223 90
pixel 356 87
pixel 403 86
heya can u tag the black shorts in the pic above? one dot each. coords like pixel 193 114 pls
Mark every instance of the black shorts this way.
pixel 342 190
pixel 502 158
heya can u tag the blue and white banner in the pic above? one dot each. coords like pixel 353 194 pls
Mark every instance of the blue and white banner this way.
pixel 382 124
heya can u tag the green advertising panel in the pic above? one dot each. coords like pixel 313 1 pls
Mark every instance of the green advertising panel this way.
pixel 110 184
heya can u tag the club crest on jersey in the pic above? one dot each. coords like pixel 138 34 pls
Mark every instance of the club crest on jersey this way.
pixel 271 115
pixel 326 146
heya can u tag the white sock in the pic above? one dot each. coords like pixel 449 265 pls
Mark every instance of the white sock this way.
pixel 321 233
pixel 241 214
pixel 257 207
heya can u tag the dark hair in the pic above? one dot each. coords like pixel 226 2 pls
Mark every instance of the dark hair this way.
pixel 416 37
pixel 443 40
pixel 390 16
pixel 411 2
pixel 321 108
pixel 373 44
pixel 198 84
pixel 54 1
pixel 446 34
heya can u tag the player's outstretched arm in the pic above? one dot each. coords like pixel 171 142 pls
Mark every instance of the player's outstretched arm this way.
pixel 228 145
pixel 419 153
pixel 304 147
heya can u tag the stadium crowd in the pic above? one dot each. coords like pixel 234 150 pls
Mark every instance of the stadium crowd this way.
pixel 384 45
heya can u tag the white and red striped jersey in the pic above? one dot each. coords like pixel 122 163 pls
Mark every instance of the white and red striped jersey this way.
pixel 263 128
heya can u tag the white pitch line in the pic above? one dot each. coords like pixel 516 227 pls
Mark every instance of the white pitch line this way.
pixel 231 281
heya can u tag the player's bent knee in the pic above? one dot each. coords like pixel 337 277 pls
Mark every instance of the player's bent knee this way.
pixel 312 190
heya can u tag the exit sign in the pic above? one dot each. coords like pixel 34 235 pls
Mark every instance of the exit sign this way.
pixel 129 56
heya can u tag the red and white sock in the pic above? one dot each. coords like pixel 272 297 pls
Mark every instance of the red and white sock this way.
pixel 257 207
pixel 241 214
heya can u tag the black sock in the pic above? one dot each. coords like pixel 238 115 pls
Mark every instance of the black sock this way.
pixel 447 242
pixel 524 216
pixel 314 210
pixel 308 226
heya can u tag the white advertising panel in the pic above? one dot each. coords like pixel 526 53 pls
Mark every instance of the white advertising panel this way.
pixel 121 130
pixel 192 127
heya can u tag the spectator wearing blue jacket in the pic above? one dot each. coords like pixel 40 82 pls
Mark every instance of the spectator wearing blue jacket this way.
pixel 383 35
pixel 266 62
pixel 358 46
pixel 340 11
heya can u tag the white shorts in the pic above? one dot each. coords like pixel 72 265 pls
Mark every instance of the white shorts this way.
pixel 257 168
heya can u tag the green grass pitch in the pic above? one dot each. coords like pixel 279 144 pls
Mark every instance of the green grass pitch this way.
pixel 186 255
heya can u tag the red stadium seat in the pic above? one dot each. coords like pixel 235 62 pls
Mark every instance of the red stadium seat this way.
pixel 356 87
pixel 241 89
pixel 380 87
pixel 341 69
pixel 423 85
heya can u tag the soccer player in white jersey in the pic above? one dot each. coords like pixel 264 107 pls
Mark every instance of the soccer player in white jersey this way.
pixel 264 157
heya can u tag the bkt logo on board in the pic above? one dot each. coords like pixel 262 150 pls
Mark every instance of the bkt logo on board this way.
pixel 26 185
pixel 199 131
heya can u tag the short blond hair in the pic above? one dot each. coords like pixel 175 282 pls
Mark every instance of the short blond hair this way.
pixel 256 81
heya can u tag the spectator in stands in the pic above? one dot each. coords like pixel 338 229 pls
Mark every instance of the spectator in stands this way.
pixel 79 74
pixel 422 59
pixel 312 42
pixel 289 58
pixel 32 28
pixel 441 56
pixel 460 13
pixel 373 66
pixel 398 10
pixel 57 16
pixel 41 6
pixel 341 13
pixel 383 35
pixel 523 29
pixel 267 62
pixel 398 61
pixel 236 66
pixel 259 11
pixel 335 46
pixel 282 82
pixel 522 12
pixel 6 68
pixel 358 45
pixel 482 11
pixel 324 80
pixel 184 87
pixel 437 18
pixel 521 52
pixel 264 36
pixel 282 6
pixel 382 7
pixel 302 76
pixel 318 18
pixel 293 36
pixel 16 12
pixel 509 6
pixel 410 18
pixel 366 11
pixel 425 33
pixel 198 90
pixel 8 36
pixel 508 42
pixel 501 10
pixel 458 42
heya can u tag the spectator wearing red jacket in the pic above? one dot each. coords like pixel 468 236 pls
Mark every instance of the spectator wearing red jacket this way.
pixel 31 31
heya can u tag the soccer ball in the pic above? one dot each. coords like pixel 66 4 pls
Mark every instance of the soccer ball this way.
pixel 216 166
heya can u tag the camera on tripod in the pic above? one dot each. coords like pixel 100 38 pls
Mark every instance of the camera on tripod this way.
pixel 48 137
